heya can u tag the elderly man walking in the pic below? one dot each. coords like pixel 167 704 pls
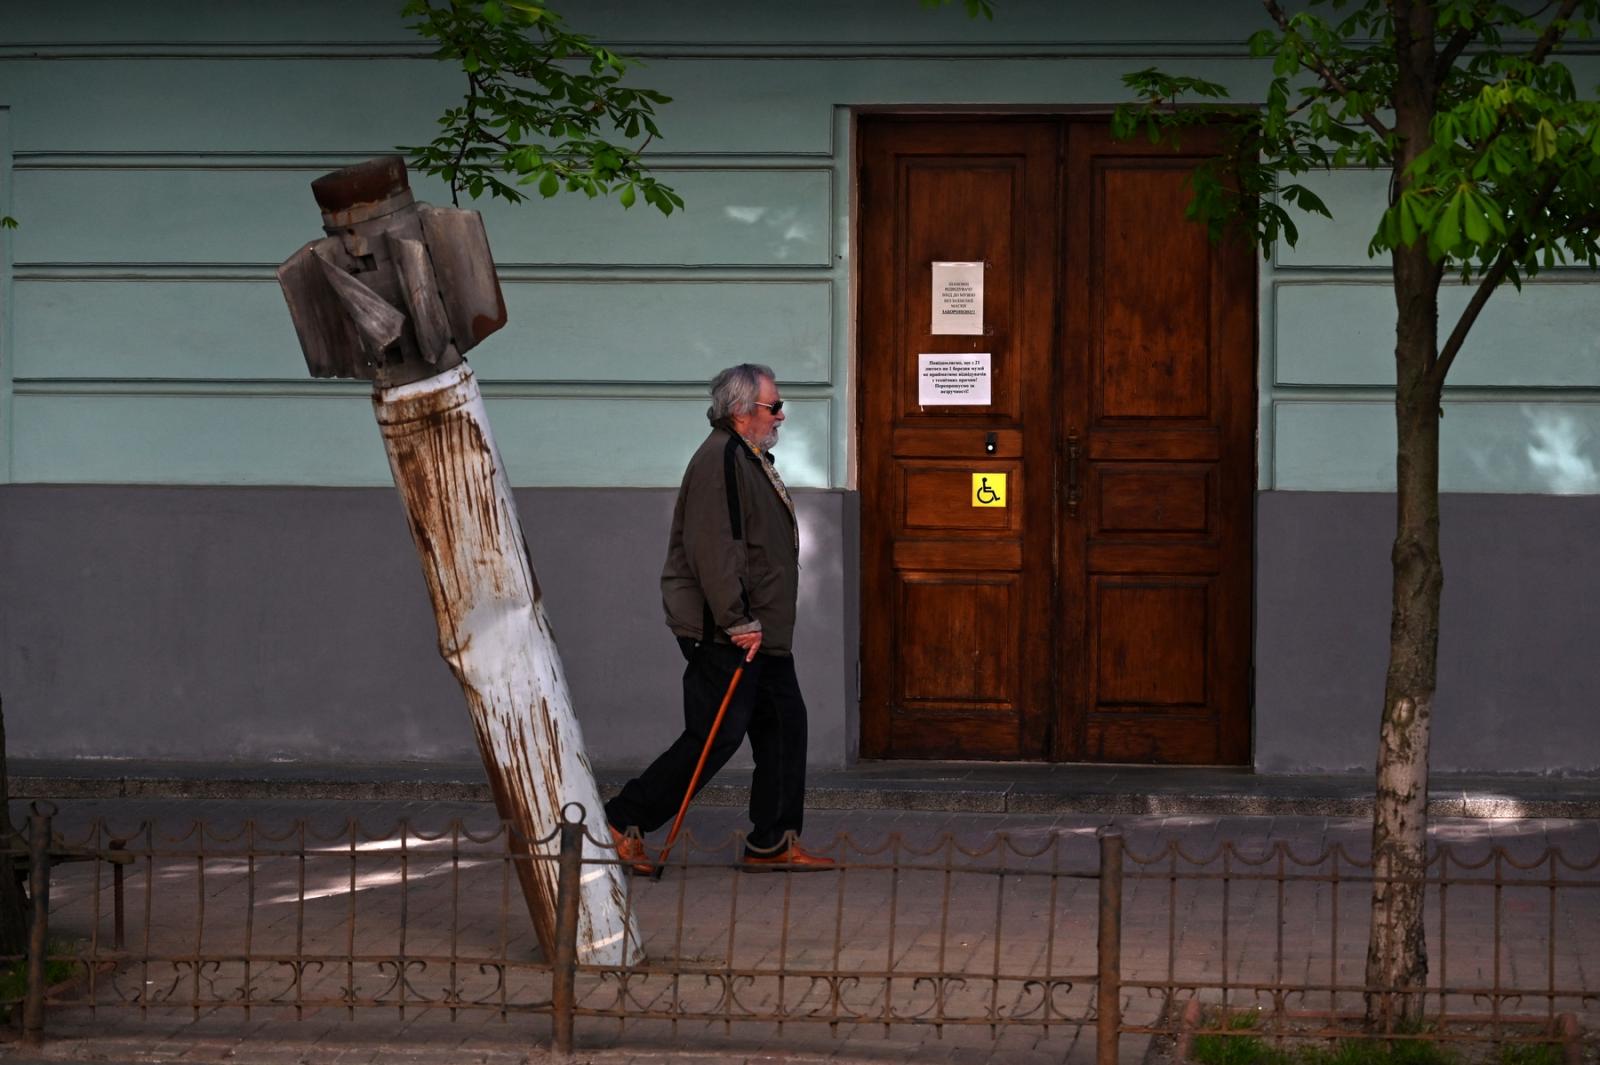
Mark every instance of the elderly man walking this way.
pixel 729 587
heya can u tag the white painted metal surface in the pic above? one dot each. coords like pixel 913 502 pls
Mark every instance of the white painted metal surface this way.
pixel 494 634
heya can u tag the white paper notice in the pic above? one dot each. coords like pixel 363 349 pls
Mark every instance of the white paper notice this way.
pixel 958 298
pixel 953 380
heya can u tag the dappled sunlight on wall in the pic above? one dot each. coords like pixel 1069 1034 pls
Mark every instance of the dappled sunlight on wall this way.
pixel 821 560
pixel 1544 448
pixel 801 455
pixel 793 236
pixel 1557 452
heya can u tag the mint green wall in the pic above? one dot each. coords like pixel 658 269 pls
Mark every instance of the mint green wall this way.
pixel 1522 411
pixel 160 156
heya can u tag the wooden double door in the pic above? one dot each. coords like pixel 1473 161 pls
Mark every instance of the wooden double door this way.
pixel 1100 608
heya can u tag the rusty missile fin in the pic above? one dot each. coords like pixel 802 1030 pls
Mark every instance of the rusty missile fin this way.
pixel 461 260
pixel 330 342
pixel 378 324
pixel 422 298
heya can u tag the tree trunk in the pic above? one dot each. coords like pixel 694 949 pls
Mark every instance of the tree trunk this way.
pixel 1397 951
pixel 1397 958
pixel 13 908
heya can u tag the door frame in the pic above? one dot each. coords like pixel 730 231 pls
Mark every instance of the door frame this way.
pixel 1056 741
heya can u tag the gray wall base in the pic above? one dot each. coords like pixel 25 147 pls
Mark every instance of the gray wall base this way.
pixel 242 625
pixel 1519 679
pixel 246 625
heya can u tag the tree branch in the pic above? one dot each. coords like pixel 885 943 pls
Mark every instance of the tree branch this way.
pixel 1318 66
pixel 1452 51
pixel 473 88
pixel 1486 286
pixel 1553 32
pixel 1452 347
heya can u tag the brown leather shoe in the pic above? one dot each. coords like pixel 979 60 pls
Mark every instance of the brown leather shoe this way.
pixel 792 859
pixel 630 849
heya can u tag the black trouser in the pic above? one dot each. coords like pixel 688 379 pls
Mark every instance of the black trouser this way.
pixel 767 707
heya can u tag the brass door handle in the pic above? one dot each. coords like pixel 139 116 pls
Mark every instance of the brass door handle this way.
pixel 1074 452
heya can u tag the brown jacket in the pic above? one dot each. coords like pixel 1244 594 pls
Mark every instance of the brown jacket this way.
pixel 733 561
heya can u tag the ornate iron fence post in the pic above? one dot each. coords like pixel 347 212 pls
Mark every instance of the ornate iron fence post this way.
pixel 39 930
pixel 564 974
pixel 1108 1012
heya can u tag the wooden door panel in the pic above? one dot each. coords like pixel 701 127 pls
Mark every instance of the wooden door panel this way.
pixel 1151 280
pixel 950 669
pixel 967 209
pixel 938 497
pixel 933 443
pixel 954 660
pixel 1155 665
pixel 960 677
pixel 1169 500
pixel 1164 541
pixel 982 555
pixel 1129 557
pixel 1150 644
pixel 1154 740
pixel 1201 444
pixel 1104 613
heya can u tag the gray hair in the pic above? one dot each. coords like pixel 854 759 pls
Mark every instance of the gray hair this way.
pixel 734 390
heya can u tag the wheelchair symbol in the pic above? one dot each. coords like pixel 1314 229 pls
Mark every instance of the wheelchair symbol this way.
pixel 988 489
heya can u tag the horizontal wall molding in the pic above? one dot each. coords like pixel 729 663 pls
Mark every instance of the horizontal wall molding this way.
pixel 623 330
pixel 732 50
pixel 185 217
pixel 832 26
pixel 332 439
pixel 1348 445
pixel 1454 393
pixel 719 106
pixel 509 273
pixel 331 388
pixel 1341 333
pixel 1154 51
pixel 662 162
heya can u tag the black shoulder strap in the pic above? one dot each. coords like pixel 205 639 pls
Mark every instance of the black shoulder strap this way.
pixel 730 484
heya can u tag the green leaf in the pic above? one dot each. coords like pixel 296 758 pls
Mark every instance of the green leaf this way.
pixel 532 82
pixel 1475 218
pixel 1544 140
pixel 1446 235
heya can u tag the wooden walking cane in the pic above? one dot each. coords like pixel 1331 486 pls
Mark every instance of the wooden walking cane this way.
pixel 677 822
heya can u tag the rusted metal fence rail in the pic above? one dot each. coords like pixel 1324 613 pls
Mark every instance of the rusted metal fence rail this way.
pixel 1049 931
pixel 996 935
pixel 1263 942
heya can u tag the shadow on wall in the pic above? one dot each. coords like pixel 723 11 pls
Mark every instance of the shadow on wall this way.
pixel 789 233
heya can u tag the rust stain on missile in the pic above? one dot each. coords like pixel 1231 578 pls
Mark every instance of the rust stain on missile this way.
pixel 484 324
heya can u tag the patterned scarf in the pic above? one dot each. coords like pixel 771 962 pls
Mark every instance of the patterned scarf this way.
pixel 778 486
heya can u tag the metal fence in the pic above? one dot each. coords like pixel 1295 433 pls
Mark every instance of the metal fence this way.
pixel 1047 930
pixel 1262 942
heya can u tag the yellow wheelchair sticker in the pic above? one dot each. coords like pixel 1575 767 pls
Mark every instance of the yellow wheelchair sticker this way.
pixel 988 489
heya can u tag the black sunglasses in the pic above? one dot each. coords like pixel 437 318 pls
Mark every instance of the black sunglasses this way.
pixel 775 406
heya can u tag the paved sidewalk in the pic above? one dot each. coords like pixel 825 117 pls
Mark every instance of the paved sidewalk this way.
pixel 972 787
pixel 845 915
